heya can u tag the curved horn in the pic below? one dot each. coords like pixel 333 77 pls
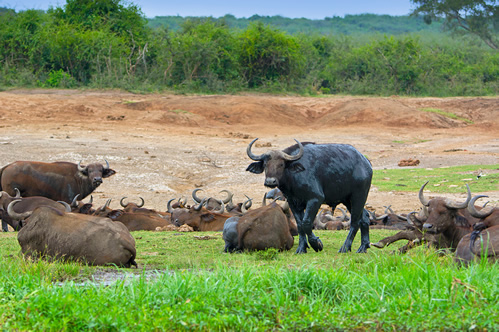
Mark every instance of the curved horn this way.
pixel 142 202
pixel 103 208
pixel 169 206
pixel 454 205
pixel 422 199
pixel 66 205
pixel 18 193
pixel 91 200
pixel 74 203
pixel 121 202
pixel 247 204
pixel 80 168
pixel 483 213
pixel 344 216
pixel 107 164
pixel 195 197
pixel 388 209
pixel 222 208
pixel 200 205
pixel 289 157
pixel 264 201
pixel 229 196
pixel 14 215
pixel 250 154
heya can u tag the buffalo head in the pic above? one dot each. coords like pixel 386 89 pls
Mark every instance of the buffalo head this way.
pixel 274 163
pixel 95 172
pixel 443 213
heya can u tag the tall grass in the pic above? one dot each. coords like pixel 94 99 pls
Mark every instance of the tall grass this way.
pixel 213 291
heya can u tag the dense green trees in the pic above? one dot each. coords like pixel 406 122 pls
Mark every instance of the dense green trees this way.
pixel 109 44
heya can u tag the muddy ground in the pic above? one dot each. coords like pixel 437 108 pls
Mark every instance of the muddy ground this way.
pixel 164 145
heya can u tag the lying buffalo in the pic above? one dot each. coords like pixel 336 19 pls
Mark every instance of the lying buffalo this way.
pixel 480 244
pixel 311 174
pixel 76 237
pixel 259 229
pixel 60 181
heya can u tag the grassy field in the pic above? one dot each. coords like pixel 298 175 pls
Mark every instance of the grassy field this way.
pixel 185 282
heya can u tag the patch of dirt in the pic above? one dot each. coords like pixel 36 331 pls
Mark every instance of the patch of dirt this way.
pixel 164 146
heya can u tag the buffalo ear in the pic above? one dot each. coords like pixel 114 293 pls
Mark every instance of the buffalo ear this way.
pixel 207 217
pixel 256 167
pixel 108 172
pixel 296 167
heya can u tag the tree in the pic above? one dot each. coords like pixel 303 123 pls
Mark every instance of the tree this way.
pixel 478 17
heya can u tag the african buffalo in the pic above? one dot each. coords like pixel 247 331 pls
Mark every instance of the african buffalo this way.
pixel 60 181
pixel 488 216
pixel 311 174
pixel 15 217
pixel 258 229
pixel 487 246
pixel 76 237
pixel 199 218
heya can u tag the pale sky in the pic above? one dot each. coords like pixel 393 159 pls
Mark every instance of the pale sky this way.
pixel 316 9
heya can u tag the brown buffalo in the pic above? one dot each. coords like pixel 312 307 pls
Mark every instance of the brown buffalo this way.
pixel 60 181
pixel 259 229
pixel 76 237
pixel 23 207
pixel 480 244
pixel 489 216
pixel 199 218
pixel 137 221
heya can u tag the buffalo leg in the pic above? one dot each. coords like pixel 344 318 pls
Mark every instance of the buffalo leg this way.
pixel 298 212
pixel 5 226
pixel 359 219
pixel 308 223
pixel 409 234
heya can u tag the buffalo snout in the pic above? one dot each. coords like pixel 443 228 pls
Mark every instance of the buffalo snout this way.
pixel 97 181
pixel 427 226
pixel 271 182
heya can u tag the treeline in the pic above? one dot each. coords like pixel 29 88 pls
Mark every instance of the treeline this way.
pixel 107 44
pixel 348 25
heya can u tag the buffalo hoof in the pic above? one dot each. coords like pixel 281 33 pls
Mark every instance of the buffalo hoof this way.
pixel 316 244
pixel 301 250
pixel 378 245
pixel 363 248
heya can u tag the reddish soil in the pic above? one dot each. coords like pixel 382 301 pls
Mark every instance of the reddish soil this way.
pixel 163 145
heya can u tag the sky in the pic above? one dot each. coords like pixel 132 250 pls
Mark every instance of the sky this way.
pixel 316 9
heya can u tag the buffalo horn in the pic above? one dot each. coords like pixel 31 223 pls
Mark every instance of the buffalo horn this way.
pixel 229 196
pixel 74 203
pixel 247 204
pixel 250 154
pixel 107 164
pixel 200 205
pixel 169 206
pixel 194 195
pixel 13 214
pixel 103 208
pixel 81 168
pixel 66 205
pixel 222 208
pixel 289 157
pixel 18 193
pixel 422 199
pixel 454 205
pixel 483 213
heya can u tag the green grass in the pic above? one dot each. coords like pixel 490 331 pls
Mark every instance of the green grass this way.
pixel 447 114
pixel 197 287
pixel 442 180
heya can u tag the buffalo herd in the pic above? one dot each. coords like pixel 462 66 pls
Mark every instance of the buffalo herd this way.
pixel 44 202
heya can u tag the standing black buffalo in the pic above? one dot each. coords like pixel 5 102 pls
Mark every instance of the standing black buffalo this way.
pixel 60 181
pixel 311 174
